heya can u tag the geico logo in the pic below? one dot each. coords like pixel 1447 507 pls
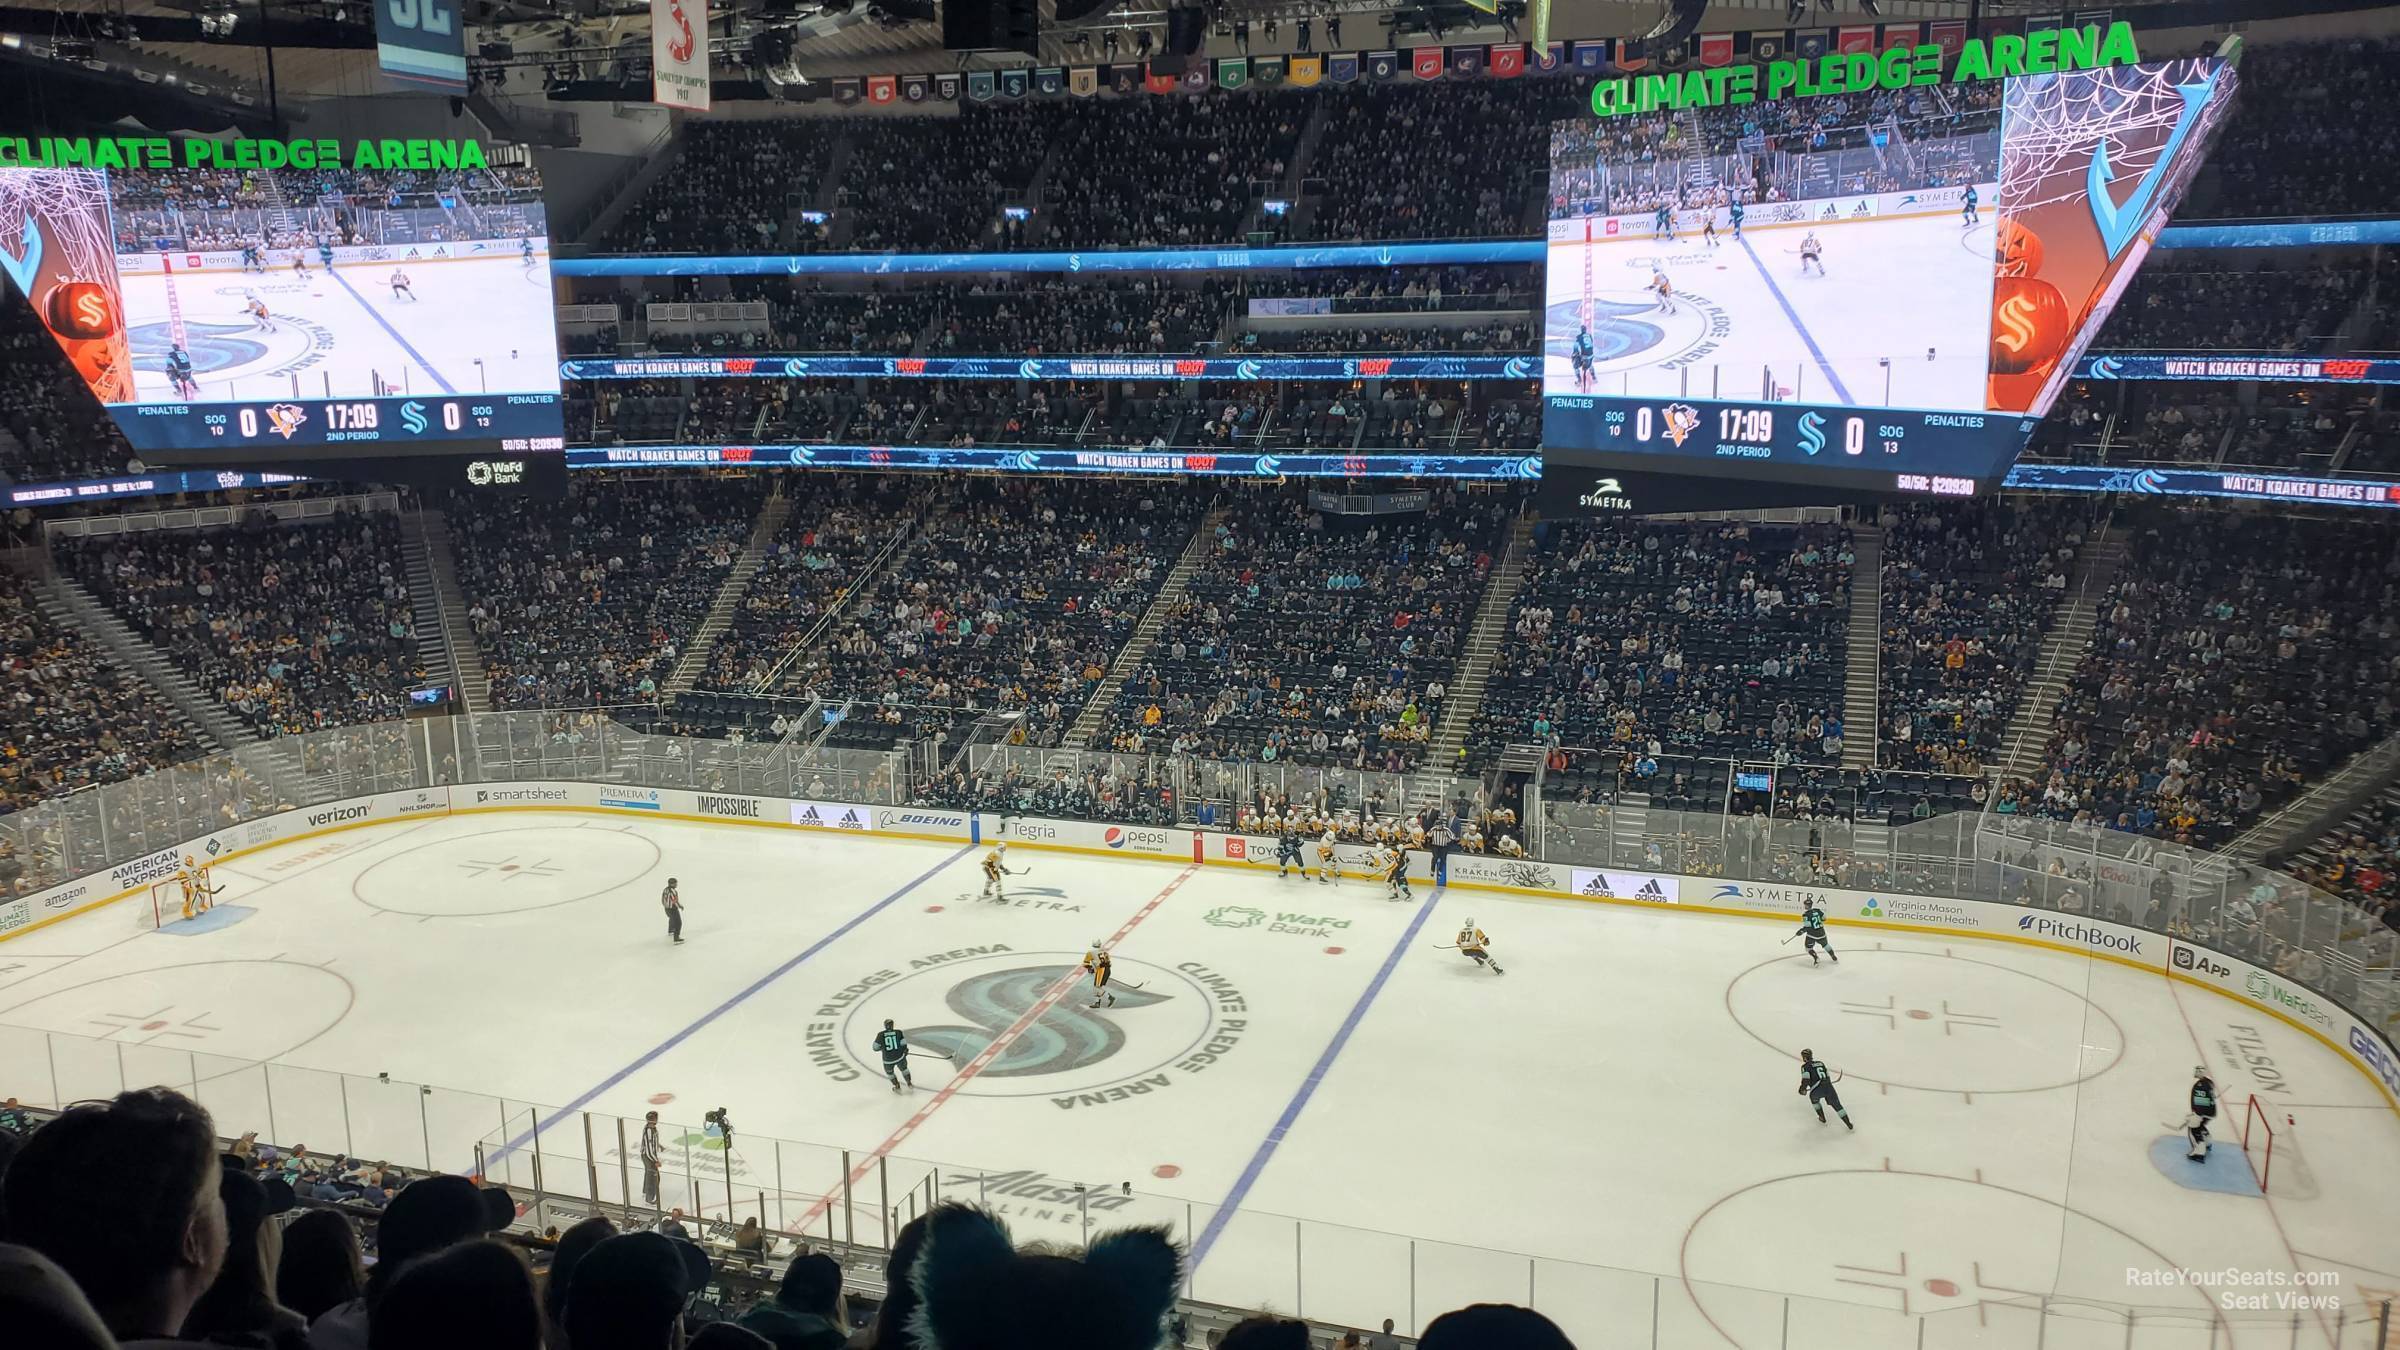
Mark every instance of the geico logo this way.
pixel 2376 1055
pixel 730 806
pixel 339 813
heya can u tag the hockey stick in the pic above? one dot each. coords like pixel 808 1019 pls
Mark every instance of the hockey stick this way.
pixel 1127 983
pixel 1017 871
pixel 1445 946
pixel 1787 941
pixel 931 1054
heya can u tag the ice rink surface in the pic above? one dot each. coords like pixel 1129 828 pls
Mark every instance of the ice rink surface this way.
pixel 1896 288
pixel 1346 1120
pixel 476 325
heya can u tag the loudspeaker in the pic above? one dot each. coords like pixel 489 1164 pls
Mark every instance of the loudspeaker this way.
pixel 992 26
pixel 1675 27
pixel 1187 30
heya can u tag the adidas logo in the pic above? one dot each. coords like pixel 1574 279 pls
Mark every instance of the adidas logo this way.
pixel 1650 891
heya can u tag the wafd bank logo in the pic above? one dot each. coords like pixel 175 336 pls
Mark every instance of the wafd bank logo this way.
pixel 2081 934
pixel 1153 840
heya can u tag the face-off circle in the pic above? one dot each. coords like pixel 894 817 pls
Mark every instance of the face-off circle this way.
pixel 1973 1259
pixel 1928 1020
pixel 507 871
pixel 229 1014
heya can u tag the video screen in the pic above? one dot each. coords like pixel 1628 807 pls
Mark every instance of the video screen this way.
pixel 256 315
pixel 1896 283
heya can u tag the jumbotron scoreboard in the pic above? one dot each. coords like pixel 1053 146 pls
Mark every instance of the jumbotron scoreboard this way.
pixel 374 322
pixel 1891 307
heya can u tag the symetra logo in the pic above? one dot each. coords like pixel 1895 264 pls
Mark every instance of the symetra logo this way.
pixel 336 815
pixel 1799 897
pixel 2083 934
pixel 739 808
pixel 1153 840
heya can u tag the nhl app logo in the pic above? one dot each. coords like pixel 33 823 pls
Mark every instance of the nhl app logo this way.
pixel 1682 421
pixel 285 418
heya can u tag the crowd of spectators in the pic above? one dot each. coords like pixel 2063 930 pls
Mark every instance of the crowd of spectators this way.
pixel 1167 172
pixel 2306 135
pixel 2359 857
pixel 1968 591
pixel 1467 161
pixel 734 187
pixel 1014 597
pixel 50 425
pixel 69 718
pixel 129 1222
pixel 1650 638
pixel 296 628
pixel 2235 658
pixel 914 186
pixel 1043 316
pixel 1500 336
pixel 2199 301
pixel 592 601
pixel 1314 638
pixel 836 527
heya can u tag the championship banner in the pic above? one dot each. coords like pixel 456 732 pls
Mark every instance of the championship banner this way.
pixel 1383 65
pixel 1426 63
pixel 1466 62
pixel 1233 72
pixel 1013 82
pixel 1508 60
pixel 1856 40
pixel 678 56
pixel 1716 49
pixel 1083 81
pixel 980 85
pixel 1051 82
pixel 882 88
pixel 423 42
pixel 1342 67
pixel 1267 70
pixel 849 90
pixel 946 87
pixel 1629 55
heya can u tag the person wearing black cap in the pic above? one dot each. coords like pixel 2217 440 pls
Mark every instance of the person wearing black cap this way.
pixel 240 1308
pixel 428 1215
pixel 628 1294
pixel 806 1311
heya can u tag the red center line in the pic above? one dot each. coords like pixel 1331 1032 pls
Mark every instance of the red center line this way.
pixel 999 1046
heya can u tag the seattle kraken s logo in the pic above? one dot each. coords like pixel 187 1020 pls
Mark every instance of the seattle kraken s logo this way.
pixel 2119 224
pixel 1065 1038
pixel 412 416
pixel 1812 432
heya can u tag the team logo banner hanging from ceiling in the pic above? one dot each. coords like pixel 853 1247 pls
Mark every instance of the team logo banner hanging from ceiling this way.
pixel 915 88
pixel 679 54
pixel 1195 78
pixel 1466 62
pixel 848 90
pixel 1051 82
pixel 1508 61
pixel 1233 72
pixel 1307 70
pixel 1013 82
pixel 1267 70
pixel 1123 79
pixel 1383 65
pixel 423 42
pixel 1716 49
pixel 1083 81
pixel 1426 63
pixel 882 88
pixel 1767 47
pixel 981 86
pixel 1591 57
pixel 1342 67
pixel 945 87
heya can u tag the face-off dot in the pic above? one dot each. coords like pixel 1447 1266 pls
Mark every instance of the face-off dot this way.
pixel 1166 1171
pixel 1942 1288
pixel 933 909
pixel 1334 951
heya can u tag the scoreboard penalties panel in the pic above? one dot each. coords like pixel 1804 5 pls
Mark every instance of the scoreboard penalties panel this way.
pixel 1889 307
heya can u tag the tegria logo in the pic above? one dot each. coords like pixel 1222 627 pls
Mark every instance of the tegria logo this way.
pixel 338 814
pixel 745 808
pixel 2082 934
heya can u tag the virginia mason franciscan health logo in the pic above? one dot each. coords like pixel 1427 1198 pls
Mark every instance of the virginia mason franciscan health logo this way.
pixel 963 1003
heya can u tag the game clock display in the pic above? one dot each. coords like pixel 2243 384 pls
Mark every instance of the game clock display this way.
pixel 325 320
pixel 1893 310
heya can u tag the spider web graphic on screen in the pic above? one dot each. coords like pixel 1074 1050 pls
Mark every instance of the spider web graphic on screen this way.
pixel 54 247
pixel 2054 122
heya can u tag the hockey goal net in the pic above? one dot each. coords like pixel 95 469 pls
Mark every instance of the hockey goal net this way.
pixel 166 904
pixel 2258 1140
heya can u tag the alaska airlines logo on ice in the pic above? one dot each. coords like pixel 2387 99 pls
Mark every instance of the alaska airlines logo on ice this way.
pixel 1682 420
pixel 1067 1037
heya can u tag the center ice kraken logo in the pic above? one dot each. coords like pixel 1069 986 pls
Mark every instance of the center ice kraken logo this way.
pixel 1067 1037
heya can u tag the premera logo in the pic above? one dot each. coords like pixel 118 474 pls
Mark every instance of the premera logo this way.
pixel 337 815
pixel 1153 840
pixel 630 799
pixel 2081 934
pixel 732 808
